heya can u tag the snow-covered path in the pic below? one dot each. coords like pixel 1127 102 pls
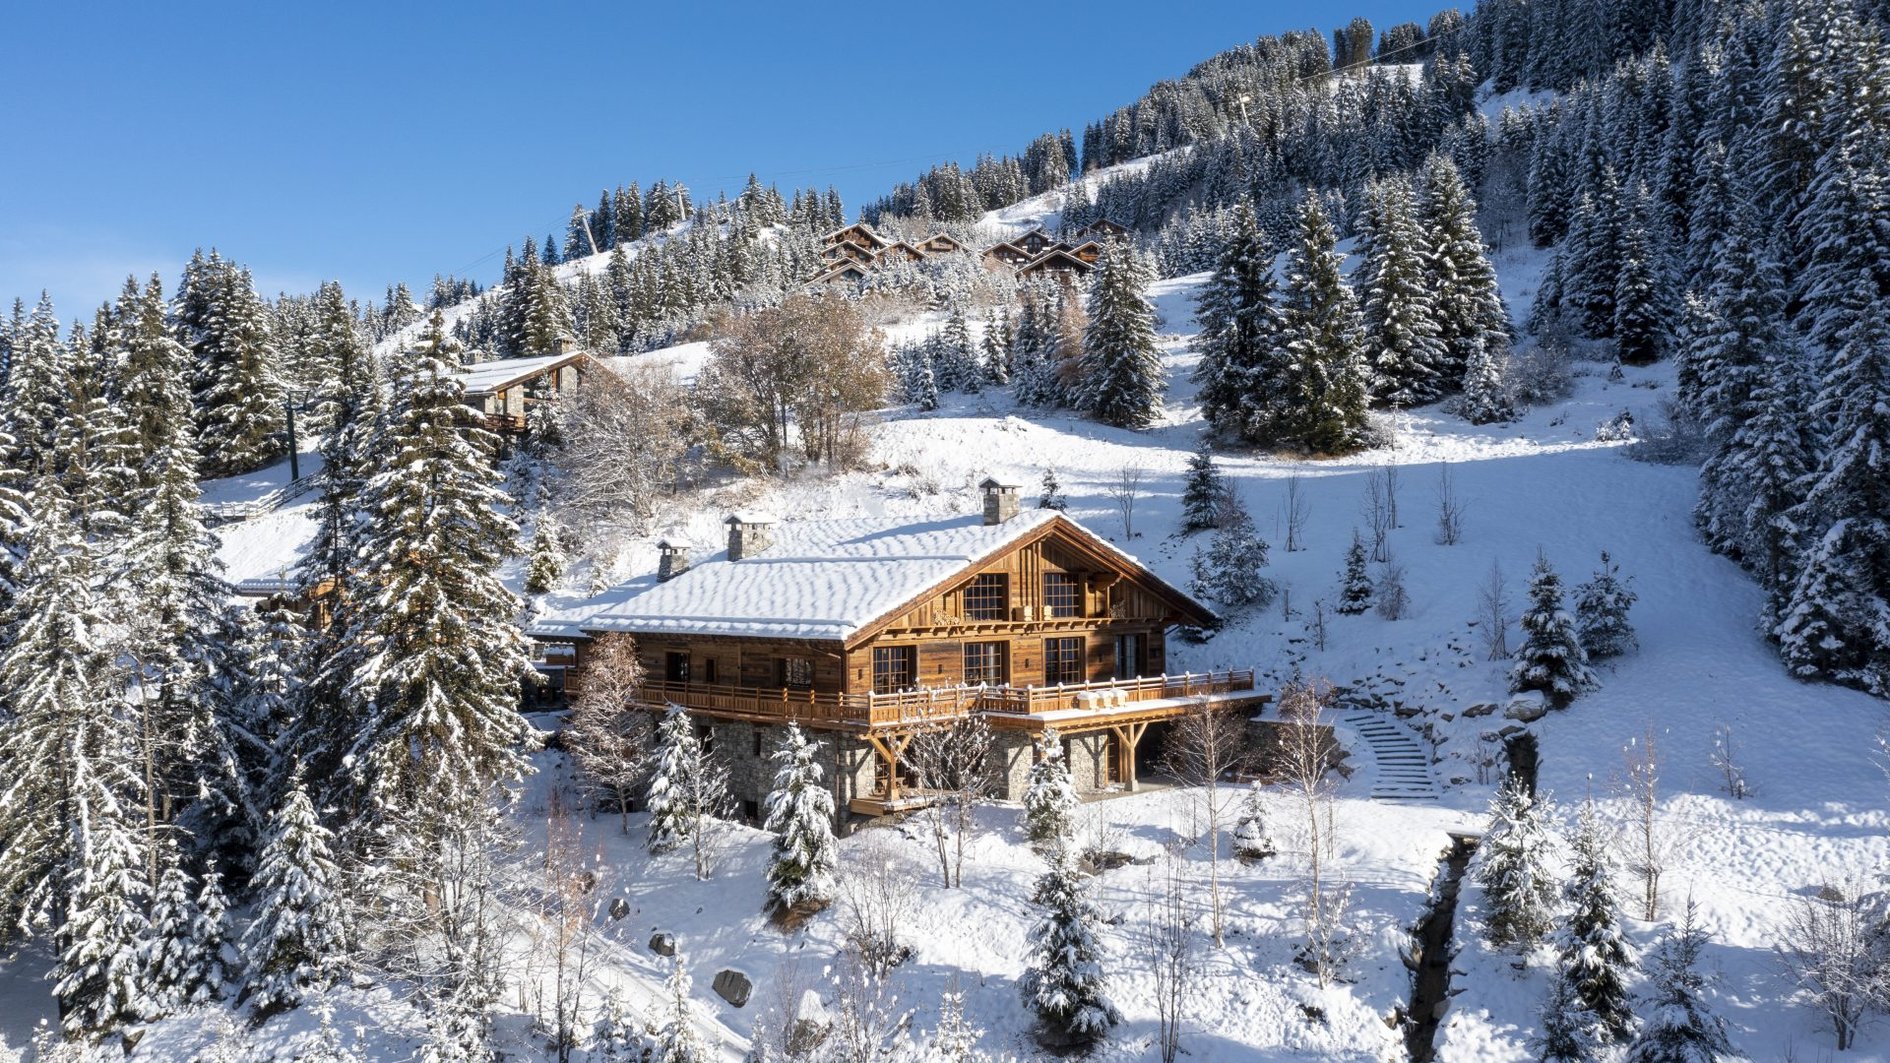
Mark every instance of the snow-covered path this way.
pixel 1401 764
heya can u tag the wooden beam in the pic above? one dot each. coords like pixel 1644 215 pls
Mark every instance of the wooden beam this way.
pixel 899 741
pixel 1128 737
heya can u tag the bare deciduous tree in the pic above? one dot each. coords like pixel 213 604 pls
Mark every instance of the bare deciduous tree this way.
pixel 564 937
pixel 608 736
pixel 1829 946
pixel 878 894
pixel 1377 509
pixel 952 758
pixel 1450 508
pixel 1171 945
pixel 1207 743
pixel 1650 839
pixel 1298 509
pixel 625 436
pixel 1304 753
pixel 1125 491
pixel 1393 600
pixel 1317 625
pixel 1726 759
pixel 1493 607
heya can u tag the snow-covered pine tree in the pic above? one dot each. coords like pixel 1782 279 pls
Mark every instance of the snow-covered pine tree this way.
pixel 1485 397
pixel 800 813
pixel 433 701
pixel 1566 1035
pixel 1677 1025
pixel 1239 338
pixel 1593 955
pixel 678 755
pixel 677 1040
pixel 1771 458
pixel 173 973
pixel 103 932
pixel 233 383
pixel 209 936
pixel 1833 625
pixel 1050 799
pixel 1252 839
pixel 1063 982
pixel 1514 867
pixel 298 944
pixel 925 380
pixel 1228 569
pixel 547 563
pixel 1588 262
pixel 1355 583
pixel 957 356
pixel 1410 361
pixel 995 347
pixel 1122 376
pixel 1468 303
pixel 151 374
pixel 1325 377
pixel 1601 609
pixel 1203 493
pixel 617 1036
pixel 1051 496
pixel 1551 658
pixel 1641 313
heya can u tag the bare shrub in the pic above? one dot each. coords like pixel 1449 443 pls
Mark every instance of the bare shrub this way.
pixel 1393 601
pixel 1672 436
pixel 1298 509
pixel 952 758
pixel 1171 944
pixel 1726 760
pixel 1829 947
pixel 1124 491
pixel 1493 606
pixel 609 737
pixel 1450 508
pixel 1378 509
pixel 1305 753
pixel 879 894
pixel 1539 374
pixel 1205 744
pixel 1651 840
pixel 625 436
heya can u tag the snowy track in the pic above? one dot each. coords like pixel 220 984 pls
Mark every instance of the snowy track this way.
pixel 1404 767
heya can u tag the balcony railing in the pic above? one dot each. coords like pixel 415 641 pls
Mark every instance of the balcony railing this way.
pixel 934 703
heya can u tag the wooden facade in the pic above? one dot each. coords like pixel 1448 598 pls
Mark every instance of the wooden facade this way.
pixel 1056 264
pixel 900 252
pixel 506 389
pixel 1101 229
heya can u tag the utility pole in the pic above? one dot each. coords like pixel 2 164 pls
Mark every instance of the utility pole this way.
pixel 295 459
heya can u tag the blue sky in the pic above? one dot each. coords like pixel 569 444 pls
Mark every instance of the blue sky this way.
pixel 380 142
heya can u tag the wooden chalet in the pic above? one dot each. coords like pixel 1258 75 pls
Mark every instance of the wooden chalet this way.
pixel 859 234
pixel 1004 255
pixel 315 606
pixel 941 244
pixel 848 252
pixel 1089 251
pixel 506 389
pixel 1056 264
pixel 900 252
pixel 1034 243
pixel 874 630
pixel 1101 229
pixel 846 271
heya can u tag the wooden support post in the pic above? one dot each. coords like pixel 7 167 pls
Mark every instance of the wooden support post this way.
pixel 1128 737
pixel 891 754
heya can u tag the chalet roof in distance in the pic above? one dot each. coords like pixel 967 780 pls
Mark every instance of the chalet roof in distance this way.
pixel 484 378
pixel 821 580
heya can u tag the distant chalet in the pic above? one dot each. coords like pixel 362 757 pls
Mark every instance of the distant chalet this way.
pixel 875 629
pixel 852 253
pixel 506 389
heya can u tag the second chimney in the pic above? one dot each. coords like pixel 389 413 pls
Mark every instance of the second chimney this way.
pixel 748 534
pixel 672 560
pixel 1000 501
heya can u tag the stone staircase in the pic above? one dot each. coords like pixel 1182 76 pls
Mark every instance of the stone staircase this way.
pixel 1404 763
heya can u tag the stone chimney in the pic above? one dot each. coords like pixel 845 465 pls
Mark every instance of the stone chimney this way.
pixel 748 534
pixel 672 560
pixel 1000 501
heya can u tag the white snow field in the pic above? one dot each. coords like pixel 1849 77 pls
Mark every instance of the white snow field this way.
pixel 1818 811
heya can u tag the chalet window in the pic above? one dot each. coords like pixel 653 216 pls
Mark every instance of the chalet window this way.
pixel 1063 660
pixel 894 668
pixel 1062 595
pixel 984 663
pixel 711 671
pixel 989 597
pixel 797 672
pixel 676 667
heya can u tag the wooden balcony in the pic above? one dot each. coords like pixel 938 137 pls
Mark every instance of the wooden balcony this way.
pixel 905 708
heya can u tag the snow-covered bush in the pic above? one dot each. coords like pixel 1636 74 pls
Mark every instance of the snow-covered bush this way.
pixel 1252 840
pixel 1050 799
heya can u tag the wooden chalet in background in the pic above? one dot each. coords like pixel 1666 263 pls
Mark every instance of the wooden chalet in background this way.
pixel 1101 229
pixel 506 389
pixel 1038 255
pixel 873 630
pixel 850 253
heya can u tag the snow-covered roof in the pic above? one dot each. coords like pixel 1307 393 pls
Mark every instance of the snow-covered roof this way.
pixel 824 580
pixel 484 378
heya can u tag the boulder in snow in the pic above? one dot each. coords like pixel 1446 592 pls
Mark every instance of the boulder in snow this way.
pixel 733 986
pixel 663 943
pixel 619 908
pixel 1527 707
pixel 1480 709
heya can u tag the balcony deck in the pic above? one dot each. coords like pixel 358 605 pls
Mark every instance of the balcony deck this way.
pixel 1007 705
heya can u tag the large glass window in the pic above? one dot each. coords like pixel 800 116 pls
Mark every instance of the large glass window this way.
pixel 1063 660
pixel 984 663
pixel 1062 596
pixel 676 667
pixel 988 597
pixel 797 672
pixel 893 668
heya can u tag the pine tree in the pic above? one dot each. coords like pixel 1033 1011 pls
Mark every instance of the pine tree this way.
pixel 1203 494
pixel 1228 570
pixel 1678 1026
pixel 678 757
pixel 104 934
pixel 1051 496
pixel 1325 376
pixel 1252 840
pixel 1601 608
pixel 1567 1035
pixel 1485 398
pixel 299 942
pixel 1771 460
pixel 617 1036
pixel 1050 799
pixel 1468 303
pixel 1410 363
pixel 956 360
pixel 1122 375
pixel 995 346
pixel 800 816
pixel 1063 982
pixel 183 965
pixel 435 659
pixel 1640 310
pixel 547 562
pixel 1593 955
pixel 677 1040
pixel 1514 869
pixel 1238 371
pixel 1551 658
pixel 1355 586
pixel 234 384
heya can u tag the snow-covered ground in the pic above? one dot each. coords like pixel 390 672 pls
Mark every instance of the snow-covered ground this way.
pixel 1545 483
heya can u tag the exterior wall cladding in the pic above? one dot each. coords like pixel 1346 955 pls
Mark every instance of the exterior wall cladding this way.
pixel 850 763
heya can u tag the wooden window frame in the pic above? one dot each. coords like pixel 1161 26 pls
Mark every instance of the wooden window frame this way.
pixel 1062 595
pixel 676 667
pixel 988 597
pixel 787 667
pixel 1058 670
pixel 895 668
pixel 987 663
